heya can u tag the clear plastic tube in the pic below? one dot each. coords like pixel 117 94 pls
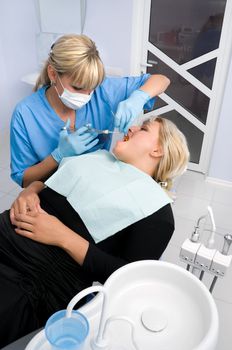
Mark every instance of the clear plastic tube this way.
pixel 210 242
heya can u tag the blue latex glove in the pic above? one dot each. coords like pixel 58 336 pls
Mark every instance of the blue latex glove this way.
pixel 129 109
pixel 75 143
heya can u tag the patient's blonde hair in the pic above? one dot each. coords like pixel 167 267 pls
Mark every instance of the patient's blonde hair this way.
pixel 76 56
pixel 175 152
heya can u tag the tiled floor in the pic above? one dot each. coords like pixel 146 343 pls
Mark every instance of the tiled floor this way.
pixel 193 197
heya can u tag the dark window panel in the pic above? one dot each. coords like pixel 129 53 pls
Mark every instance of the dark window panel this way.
pixel 158 104
pixel 181 90
pixel 193 135
pixel 205 72
pixel 189 33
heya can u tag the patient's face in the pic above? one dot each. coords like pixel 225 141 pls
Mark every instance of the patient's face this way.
pixel 141 141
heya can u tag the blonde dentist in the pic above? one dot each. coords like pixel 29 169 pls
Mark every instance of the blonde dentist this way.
pixel 72 85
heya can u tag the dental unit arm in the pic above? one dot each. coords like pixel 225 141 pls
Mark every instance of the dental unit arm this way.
pixel 205 258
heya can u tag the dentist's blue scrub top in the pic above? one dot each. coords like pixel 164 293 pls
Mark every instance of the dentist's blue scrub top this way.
pixel 35 126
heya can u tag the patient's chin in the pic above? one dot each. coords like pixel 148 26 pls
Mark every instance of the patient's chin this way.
pixel 119 143
pixel 117 149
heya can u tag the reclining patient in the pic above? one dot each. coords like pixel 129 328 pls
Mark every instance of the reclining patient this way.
pixel 98 212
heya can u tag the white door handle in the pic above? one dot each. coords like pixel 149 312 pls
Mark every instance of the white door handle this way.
pixel 150 63
pixel 146 64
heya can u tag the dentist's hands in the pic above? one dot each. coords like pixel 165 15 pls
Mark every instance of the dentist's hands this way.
pixel 129 109
pixel 75 143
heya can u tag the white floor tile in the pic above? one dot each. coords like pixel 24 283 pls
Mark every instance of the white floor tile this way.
pixel 222 215
pixel 177 182
pixel 193 175
pixel 189 207
pixel 171 254
pixel 223 195
pixel 225 321
pixel 223 286
pixel 183 229
pixel 195 186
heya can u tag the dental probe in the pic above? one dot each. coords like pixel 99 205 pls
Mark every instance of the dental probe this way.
pixel 106 131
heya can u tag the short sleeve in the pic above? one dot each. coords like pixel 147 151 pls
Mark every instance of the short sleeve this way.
pixel 22 154
pixel 119 89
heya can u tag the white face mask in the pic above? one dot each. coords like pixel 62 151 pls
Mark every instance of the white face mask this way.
pixel 73 100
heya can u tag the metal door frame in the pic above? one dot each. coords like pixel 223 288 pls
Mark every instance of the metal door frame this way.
pixel 140 34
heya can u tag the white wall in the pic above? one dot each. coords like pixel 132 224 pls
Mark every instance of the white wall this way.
pixel 108 22
pixel 17 52
pixel 221 160
pixel 4 89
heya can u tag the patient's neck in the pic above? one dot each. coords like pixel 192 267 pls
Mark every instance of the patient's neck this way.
pixel 147 165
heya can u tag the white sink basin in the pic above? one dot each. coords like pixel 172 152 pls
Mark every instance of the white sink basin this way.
pixel 170 308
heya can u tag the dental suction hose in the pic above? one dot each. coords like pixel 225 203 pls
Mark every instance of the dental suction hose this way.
pixel 210 242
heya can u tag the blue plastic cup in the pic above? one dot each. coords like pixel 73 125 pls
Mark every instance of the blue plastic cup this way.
pixel 67 333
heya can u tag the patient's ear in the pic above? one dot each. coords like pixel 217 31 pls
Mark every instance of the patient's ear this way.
pixel 157 152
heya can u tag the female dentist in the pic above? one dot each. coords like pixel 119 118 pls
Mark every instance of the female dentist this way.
pixel 72 91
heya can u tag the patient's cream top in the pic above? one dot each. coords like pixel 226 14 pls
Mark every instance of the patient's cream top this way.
pixel 108 194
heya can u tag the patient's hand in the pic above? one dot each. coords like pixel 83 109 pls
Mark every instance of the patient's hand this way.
pixel 27 201
pixel 42 227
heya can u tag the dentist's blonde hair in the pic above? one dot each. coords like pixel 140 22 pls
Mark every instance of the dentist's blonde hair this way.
pixel 175 151
pixel 77 57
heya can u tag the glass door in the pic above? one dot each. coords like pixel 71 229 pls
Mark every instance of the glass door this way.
pixel 186 41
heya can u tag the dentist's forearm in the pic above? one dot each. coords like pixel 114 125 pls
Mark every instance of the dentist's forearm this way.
pixel 155 85
pixel 40 171
pixel 36 186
